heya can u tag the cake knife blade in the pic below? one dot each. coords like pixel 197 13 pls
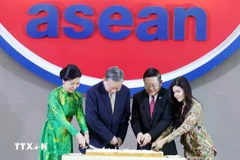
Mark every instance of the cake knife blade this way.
pixel 141 142
pixel 89 146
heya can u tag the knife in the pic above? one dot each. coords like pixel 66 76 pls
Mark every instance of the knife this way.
pixel 116 146
pixel 154 149
pixel 141 142
pixel 89 146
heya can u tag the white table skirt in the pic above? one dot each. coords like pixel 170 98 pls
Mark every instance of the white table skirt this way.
pixel 79 156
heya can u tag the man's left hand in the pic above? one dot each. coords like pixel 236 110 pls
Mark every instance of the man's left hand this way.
pixel 119 141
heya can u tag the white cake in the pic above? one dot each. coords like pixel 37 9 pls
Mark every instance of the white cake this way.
pixel 124 152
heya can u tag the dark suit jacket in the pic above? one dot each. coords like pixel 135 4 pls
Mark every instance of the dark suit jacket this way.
pixel 161 119
pixel 102 124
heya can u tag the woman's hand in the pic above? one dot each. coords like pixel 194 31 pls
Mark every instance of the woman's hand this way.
pixel 86 136
pixel 158 144
pixel 81 140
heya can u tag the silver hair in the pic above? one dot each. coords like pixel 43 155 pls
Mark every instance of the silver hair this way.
pixel 115 74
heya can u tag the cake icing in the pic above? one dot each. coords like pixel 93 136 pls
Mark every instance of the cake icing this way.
pixel 124 152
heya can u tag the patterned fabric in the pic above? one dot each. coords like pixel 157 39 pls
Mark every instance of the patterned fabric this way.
pixel 197 143
pixel 57 131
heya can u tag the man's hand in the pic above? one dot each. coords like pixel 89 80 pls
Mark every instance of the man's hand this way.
pixel 114 141
pixel 146 138
pixel 139 138
pixel 119 141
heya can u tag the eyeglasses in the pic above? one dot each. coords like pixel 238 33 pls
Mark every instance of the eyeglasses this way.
pixel 153 85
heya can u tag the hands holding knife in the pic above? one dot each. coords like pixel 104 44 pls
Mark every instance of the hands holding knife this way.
pixel 158 144
pixel 143 139
pixel 89 146
pixel 116 141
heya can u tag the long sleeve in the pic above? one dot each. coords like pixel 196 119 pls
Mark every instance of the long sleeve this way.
pixel 136 117
pixel 166 132
pixel 80 115
pixel 56 108
pixel 125 119
pixel 188 124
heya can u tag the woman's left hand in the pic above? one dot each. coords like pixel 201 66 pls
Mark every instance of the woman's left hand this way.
pixel 158 144
pixel 86 136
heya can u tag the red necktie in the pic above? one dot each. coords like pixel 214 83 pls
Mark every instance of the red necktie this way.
pixel 151 106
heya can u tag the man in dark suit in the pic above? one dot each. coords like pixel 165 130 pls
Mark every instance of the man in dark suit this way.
pixel 152 112
pixel 108 110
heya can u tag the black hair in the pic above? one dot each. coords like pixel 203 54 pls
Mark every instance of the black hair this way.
pixel 70 72
pixel 152 72
pixel 185 85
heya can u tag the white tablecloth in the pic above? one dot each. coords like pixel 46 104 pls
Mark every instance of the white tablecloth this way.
pixel 79 156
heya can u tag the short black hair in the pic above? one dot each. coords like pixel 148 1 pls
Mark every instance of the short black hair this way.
pixel 152 72
pixel 70 72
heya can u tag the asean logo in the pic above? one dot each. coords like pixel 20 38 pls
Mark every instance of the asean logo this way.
pixel 178 37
